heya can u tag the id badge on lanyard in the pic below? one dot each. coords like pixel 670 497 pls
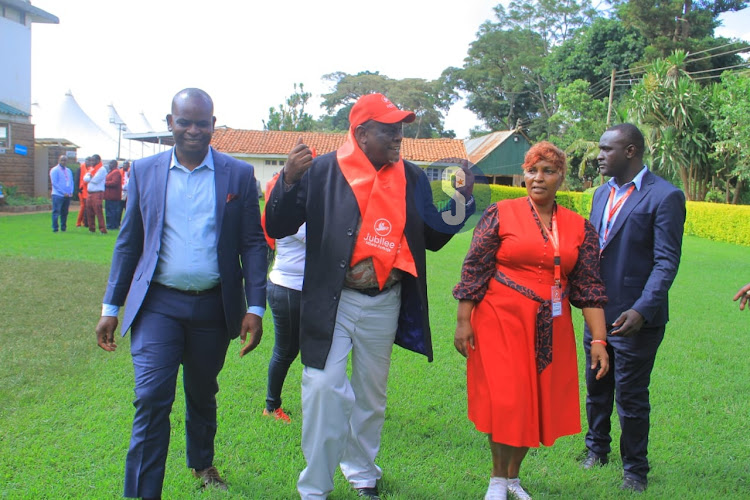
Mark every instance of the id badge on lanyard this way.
pixel 556 300
pixel 556 295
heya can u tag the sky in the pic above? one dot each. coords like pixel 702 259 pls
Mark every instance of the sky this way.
pixel 248 55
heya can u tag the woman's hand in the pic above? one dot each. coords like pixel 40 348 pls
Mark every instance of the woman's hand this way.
pixel 464 338
pixel 599 356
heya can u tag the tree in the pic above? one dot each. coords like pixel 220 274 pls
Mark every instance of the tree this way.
pixel 673 108
pixel 554 20
pixel 687 25
pixel 594 51
pixel 428 100
pixel 580 120
pixel 504 75
pixel 732 128
pixel 292 117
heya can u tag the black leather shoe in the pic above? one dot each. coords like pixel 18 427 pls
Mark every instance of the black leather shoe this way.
pixel 371 493
pixel 630 483
pixel 593 460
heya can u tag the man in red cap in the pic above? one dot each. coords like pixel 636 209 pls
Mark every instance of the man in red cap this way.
pixel 370 217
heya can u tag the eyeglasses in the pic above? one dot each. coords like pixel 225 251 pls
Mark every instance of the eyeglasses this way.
pixel 546 171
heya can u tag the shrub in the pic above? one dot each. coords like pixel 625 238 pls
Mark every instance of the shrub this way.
pixel 713 221
pixel 718 222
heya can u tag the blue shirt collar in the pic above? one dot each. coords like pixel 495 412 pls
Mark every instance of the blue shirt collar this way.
pixel 208 161
pixel 637 180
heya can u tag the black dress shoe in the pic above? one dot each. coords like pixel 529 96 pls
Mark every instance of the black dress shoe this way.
pixel 593 460
pixel 371 493
pixel 630 483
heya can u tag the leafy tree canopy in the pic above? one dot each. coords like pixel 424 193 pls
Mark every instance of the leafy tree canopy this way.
pixel 428 100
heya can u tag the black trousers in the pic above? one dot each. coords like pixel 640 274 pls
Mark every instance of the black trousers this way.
pixel 631 361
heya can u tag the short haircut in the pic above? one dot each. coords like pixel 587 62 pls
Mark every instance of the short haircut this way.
pixel 193 92
pixel 632 135
pixel 546 151
pixel 96 158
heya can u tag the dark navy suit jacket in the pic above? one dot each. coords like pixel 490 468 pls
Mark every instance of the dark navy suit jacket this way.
pixel 240 238
pixel 640 258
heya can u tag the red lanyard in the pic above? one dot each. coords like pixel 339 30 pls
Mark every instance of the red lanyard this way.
pixel 613 209
pixel 553 237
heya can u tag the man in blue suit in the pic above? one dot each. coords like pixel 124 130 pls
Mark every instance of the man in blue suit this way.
pixel 640 218
pixel 190 237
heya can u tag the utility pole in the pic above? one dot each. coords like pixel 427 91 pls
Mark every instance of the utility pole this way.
pixel 611 97
pixel 609 110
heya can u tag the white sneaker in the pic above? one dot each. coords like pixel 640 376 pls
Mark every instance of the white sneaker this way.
pixel 516 490
pixel 498 489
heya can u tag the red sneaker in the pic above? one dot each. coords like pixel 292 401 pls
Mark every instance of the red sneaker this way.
pixel 278 414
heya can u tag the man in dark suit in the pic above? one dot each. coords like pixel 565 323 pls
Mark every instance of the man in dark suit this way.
pixel 190 237
pixel 640 218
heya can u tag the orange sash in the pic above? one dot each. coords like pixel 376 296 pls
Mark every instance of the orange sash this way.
pixel 381 196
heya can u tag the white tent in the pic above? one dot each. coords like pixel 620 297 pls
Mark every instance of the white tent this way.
pixel 103 136
pixel 67 120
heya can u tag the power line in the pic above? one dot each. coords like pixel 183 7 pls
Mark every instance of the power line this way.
pixel 743 65
pixel 712 48
pixel 741 49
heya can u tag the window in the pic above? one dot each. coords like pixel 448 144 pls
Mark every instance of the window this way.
pixel 268 162
pixel 4 135
pixel 434 174
pixel 274 162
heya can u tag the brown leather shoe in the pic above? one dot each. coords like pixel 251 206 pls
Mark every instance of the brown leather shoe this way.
pixel 211 478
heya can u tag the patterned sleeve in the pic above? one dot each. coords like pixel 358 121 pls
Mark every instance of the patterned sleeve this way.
pixel 586 285
pixel 479 265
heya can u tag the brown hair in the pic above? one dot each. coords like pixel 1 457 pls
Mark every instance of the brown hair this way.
pixel 546 151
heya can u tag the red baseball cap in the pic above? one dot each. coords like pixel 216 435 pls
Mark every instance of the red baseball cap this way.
pixel 379 108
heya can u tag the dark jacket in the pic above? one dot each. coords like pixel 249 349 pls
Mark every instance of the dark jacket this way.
pixel 324 199
pixel 641 256
pixel 113 185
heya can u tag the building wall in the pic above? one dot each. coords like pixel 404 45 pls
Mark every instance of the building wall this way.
pixel 507 158
pixel 18 170
pixel 15 57
pixel 263 172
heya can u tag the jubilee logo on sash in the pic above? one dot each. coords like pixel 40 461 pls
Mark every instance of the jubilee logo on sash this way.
pixel 382 228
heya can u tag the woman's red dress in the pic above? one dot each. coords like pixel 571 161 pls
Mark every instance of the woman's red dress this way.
pixel 508 398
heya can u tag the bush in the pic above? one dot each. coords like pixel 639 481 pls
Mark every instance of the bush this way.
pixel 14 199
pixel 718 222
pixel 713 221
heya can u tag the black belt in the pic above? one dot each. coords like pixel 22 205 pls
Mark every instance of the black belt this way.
pixel 372 291
pixel 192 293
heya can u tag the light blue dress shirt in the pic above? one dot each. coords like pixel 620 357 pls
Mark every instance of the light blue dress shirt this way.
pixel 620 191
pixel 62 181
pixel 188 258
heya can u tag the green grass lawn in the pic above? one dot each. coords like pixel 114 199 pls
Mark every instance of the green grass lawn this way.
pixel 65 405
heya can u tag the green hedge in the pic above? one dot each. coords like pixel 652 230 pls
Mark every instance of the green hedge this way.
pixel 718 222
pixel 713 221
pixel 577 202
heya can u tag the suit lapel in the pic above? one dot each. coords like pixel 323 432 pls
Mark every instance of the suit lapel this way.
pixel 161 172
pixel 635 198
pixel 221 182
pixel 597 207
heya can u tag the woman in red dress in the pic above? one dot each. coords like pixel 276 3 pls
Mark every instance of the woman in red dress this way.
pixel 529 260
